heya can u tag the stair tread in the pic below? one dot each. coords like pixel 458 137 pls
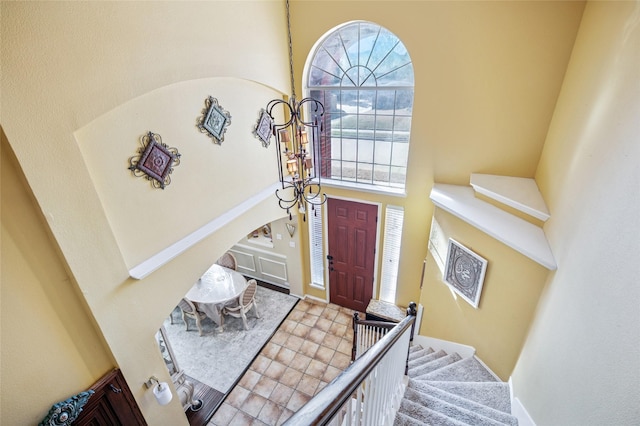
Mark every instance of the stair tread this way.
pixel 426 415
pixel 420 353
pixel 434 366
pixel 465 370
pixel 495 395
pixel 426 358
pixel 451 410
pixel 466 403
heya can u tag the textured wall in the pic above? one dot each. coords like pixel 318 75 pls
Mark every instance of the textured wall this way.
pixel 580 364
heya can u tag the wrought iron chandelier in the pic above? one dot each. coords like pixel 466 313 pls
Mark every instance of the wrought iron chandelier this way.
pixel 301 187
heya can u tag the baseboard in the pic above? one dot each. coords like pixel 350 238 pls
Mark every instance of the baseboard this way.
pixel 463 350
pixel 307 296
pixel 518 410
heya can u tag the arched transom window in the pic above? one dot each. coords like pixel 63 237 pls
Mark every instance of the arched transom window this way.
pixel 363 75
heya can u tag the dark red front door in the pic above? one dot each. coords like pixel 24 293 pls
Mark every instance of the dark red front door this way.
pixel 352 242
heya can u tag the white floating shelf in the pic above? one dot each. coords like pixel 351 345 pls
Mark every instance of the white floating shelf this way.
pixel 159 259
pixel 516 233
pixel 520 193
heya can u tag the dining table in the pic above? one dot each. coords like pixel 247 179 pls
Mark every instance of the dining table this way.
pixel 216 288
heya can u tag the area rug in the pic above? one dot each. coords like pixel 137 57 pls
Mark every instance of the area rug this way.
pixel 218 359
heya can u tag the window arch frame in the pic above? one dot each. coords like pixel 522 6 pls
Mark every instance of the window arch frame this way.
pixel 355 162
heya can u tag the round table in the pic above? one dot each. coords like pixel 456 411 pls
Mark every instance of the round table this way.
pixel 217 288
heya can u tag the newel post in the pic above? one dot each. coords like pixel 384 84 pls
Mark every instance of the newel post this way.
pixel 355 336
pixel 411 311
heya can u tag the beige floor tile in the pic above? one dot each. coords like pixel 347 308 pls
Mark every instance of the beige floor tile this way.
pixel 331 341
pixel 316 368
pixel 260 364
pixel 264 386
pixel 291 377
pixel 288 325
pixel 241 419
pixel 270 350
pixel 280 337
pixel 308 384
pixel 270 413
pixel 300 362
pixel 253 404
pixel 285 355
pixel 302 305
pixel 324 354
pixel 286 413
pixel 343 318
pixel 296 315
pixel 331 373
pixel 297 400
pixel 237 396
pixel 316 310
pixel 223 415
pixel 294 343
pixel 281 394
pixel 323 324
pixel 301 330
pixel 275 370
pixel 340 361
pixel 249 379
pixel 309 320
pixel 345 346
pixel 329 314
pixel 309 348
pixel 256 422
pixel 338 329
pixel 316 335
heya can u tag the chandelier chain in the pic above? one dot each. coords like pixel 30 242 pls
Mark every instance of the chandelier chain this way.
pixel 293 87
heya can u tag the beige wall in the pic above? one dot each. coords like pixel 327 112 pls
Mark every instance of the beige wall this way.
pixel 511 289
pixel 487 79
pixel 68 66
pixel 487 76
pixel 580 364
pixel 47 330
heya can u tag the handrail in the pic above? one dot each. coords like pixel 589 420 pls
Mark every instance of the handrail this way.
pixel 326 404
pixel 386 325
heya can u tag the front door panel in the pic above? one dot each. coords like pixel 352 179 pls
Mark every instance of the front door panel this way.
pixel 352 238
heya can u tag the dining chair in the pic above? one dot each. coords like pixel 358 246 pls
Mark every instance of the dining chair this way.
pixel 228 260
pixel 247 300
pixel 189 310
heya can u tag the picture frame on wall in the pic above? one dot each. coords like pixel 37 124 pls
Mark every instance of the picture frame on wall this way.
pixel 464 272
pixel 214 120
pixel 264 128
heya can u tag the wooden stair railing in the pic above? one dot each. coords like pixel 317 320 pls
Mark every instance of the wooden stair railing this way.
pixel 333 403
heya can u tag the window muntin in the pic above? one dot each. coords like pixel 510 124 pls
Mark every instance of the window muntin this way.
pixel 363 75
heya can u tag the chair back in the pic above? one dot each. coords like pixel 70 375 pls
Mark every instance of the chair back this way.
pixel 228 260
pixel 249 292
pixel 187 306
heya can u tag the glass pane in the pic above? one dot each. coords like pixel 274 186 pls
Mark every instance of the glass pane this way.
pixel 400 154
pixel 319 77
pixel 398 175
pixel 402 76
pixel 365 150
pixel 349 149
pixel 385 101
pixel 365 173
pixel 382 152
pixel 404 102
pixel 349 170
pixel 401 129
pixel 381 175
pixel 385 43
pixel 366 99
pixel 350 37
pixel 334 47
pixel 384 124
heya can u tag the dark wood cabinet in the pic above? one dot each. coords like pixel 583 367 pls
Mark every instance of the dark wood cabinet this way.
pixel 112 404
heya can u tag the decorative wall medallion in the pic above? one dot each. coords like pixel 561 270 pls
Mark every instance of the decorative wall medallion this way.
pixel 65 412
pixel 214 120
pixel 155 161
pixel 464 272
pixel 264 127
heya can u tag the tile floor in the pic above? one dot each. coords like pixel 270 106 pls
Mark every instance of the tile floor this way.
pixel 311 347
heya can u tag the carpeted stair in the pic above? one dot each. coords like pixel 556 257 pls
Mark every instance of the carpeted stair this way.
pixel 448 390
